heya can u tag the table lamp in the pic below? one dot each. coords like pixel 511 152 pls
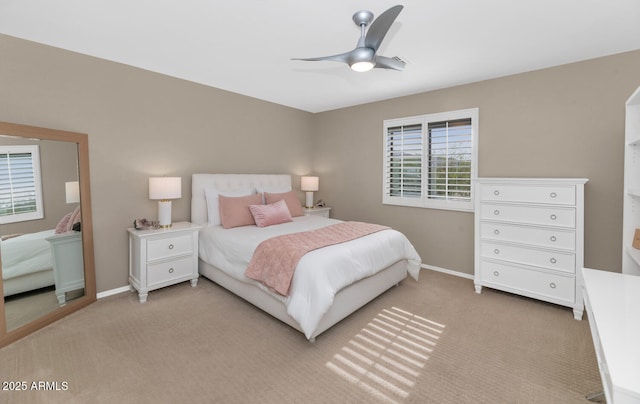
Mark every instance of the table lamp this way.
pixel 164 189
pixel 309 185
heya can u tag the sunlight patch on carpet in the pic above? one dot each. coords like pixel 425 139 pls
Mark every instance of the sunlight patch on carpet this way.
pixel 385 358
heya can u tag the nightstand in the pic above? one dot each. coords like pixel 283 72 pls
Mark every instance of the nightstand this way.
pixel 163 257
pixel 324 211
pixel 68 263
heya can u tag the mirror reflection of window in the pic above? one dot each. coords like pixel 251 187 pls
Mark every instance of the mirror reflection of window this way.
pixel 20 190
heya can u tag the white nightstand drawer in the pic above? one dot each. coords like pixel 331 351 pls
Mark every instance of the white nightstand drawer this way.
pixel 555 238
pixel 539 215
pixel 560 195
pixel 169 247
pixel 528 282
pixel 162 272
pixel 565 262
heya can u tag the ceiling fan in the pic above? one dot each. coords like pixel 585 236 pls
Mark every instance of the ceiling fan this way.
pixel 364 58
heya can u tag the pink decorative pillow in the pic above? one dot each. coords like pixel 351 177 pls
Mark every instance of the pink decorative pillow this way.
pixel 74 218
pixel 61 227
pixel 290 198
pixel 234 211
pixel 267 215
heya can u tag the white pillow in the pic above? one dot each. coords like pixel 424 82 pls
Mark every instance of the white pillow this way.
pixel 213 207
pixel 272 190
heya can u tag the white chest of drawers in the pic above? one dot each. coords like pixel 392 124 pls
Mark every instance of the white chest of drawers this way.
pixel 163 257
pixel 529 238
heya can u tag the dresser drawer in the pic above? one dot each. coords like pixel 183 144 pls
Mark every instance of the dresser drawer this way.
pixel 169 270
pixel 560 195
pixel 565 262
pixel 167 247
pixel 528 282
pixel 540 215
pixel 555 238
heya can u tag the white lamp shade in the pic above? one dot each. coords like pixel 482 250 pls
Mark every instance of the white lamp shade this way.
pixel 309 183
pixel 72 191
pixel 165 188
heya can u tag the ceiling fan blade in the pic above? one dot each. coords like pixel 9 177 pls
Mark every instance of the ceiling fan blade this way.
pixel 380 26
pixel 383 62
pixel 343 57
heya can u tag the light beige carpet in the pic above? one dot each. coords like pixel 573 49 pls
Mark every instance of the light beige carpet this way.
pixel 26 307
pixel 434 341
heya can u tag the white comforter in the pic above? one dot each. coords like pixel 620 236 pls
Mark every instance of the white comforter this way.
pixel 320 274
pixel 26 254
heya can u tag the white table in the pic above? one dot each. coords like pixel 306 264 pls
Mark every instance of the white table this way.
pixel 613 306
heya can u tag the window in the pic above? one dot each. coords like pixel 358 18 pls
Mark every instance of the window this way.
pixel 430 160
pixel 20 189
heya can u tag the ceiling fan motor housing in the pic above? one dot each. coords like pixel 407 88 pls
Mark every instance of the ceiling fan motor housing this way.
pixel 363 17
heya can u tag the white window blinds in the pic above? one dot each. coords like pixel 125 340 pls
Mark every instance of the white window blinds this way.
pixel 430 160
pixel 450 156
pixel 404 160
pixel 20 192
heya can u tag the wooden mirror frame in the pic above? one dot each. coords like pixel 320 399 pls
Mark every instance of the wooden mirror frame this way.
pixel 82 141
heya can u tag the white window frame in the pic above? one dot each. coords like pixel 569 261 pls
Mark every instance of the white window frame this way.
pixel 424 201
pixel 37 184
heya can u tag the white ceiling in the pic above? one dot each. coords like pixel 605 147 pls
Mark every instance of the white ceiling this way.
pixel 245 46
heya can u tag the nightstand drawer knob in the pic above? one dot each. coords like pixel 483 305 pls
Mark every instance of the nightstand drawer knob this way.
pixel 496 192
pixel 553 238
pixel 496 251
pixel 171 246
pixel 496 232
pixel 553 217
pixel 496 212
pixel 170 270
pixel 496 273
pixel 552 285
pixel 553 260
pixel 553 194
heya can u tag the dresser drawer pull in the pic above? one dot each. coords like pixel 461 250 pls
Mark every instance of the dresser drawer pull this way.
pixel 496 212
pixel 496 273
pixel 553 238
pixel 496 232
pixel 553 260
pixel 496 251
pixel 171 246
pixel 553 194
pixel 170 270
pixel 552 285
pixel 496 192
pixel 553 217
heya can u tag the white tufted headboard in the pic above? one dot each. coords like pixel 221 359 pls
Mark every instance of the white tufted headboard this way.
pixel 228 182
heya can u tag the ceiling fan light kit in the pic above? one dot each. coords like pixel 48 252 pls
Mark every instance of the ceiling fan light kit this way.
pixel 364 57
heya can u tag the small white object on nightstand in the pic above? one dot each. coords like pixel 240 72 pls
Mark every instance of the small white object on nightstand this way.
pixel 324 211
pixel 163 257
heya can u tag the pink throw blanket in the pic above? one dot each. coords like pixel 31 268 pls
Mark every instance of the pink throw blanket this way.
pixel 275 260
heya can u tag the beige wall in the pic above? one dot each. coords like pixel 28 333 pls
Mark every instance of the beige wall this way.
pixel 142 124
pixel 566 121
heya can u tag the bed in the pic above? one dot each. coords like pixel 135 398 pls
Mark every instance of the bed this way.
pixel 26 262
pixel 325 287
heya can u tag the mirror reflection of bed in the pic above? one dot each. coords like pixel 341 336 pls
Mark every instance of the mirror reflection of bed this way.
pixel 42 258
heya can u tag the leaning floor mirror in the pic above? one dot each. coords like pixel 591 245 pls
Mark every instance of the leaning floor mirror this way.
pixel 46 237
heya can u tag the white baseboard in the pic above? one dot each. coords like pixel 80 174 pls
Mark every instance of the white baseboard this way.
pixel 127 288
pixel 447 271
pixel 112 292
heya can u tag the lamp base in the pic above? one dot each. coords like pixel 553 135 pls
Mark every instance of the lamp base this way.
pixel 164 214
pixel 309 201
